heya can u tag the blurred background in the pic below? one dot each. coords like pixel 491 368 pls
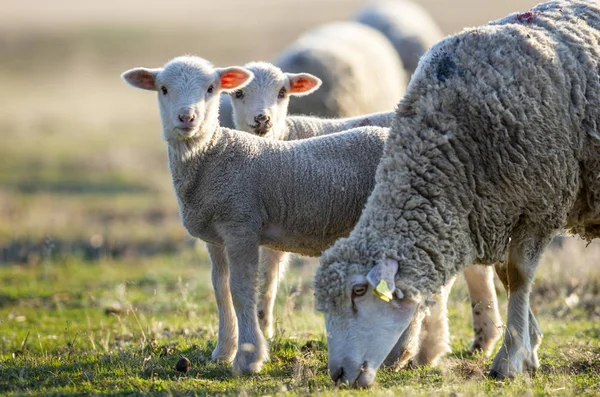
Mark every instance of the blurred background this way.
pixel 88 217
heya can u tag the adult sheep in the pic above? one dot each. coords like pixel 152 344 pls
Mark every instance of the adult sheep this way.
pixel 261 108
pixel 237 191
pixel 359 67
pixel 406 24
pixel 494 150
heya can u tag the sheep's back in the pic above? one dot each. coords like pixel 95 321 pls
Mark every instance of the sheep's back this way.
pixel 360 70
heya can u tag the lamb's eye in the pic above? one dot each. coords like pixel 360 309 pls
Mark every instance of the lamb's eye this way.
pixel 281 93
pixel 359 289
pixel 163 89
pixel 210 89
pixel 239 94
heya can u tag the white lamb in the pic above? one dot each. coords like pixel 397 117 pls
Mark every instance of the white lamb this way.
pixel 238 192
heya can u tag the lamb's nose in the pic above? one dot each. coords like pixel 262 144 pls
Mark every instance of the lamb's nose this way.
pixel 262 119
pixel 187 117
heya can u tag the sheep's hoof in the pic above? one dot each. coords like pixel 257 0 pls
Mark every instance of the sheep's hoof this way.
pixel 509 365
pixel 249 359
pixel 223 355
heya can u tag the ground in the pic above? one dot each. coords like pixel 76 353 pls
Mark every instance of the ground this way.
pixel 102 291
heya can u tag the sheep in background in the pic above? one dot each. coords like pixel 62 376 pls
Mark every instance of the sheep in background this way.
pixel 260 107
pixel 360 70
pixel 406 24
pixel 237 191
pixel 494 150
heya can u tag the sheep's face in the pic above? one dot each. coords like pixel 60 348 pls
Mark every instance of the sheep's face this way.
pixel 362 331
pixel 188 94
pixel 261 106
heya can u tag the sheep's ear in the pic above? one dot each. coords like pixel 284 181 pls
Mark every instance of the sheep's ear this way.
pixel 303 83
pixel 232 78
pixel 141 78
pixel 382 278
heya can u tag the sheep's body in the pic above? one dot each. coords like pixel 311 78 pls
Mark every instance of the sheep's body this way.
pixel 407 25
pixel 494 149
pixel 360 70
pixel 260 108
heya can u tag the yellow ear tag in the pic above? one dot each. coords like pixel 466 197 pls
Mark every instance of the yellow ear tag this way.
pixel 383 292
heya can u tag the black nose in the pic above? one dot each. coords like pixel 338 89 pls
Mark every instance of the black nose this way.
pixel 187 117
pixel 336 375
pixel 262 119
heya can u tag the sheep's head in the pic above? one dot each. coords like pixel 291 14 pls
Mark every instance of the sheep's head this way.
pixel 261 106
pixel 188 94
pixel 365 315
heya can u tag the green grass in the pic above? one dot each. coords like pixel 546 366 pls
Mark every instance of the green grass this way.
pixel 119 327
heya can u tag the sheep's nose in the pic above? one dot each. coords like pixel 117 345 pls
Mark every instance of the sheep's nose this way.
pixel 336 374
pixel 187 117
pixel 262 119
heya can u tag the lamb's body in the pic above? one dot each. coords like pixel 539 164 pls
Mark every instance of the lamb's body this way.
pixel 302 127
pixel 494 149
pixel 277 208
pixel 407 25
pixel 360 70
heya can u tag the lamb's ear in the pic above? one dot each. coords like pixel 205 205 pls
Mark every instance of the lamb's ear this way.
pixel 382 279
pixel 303 83
pixel 233 78
pixel 141 78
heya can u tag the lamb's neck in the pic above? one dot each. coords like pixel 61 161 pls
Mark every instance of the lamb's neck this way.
pixel 188 159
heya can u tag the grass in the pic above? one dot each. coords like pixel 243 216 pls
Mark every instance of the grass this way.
pixel 101 289
pixel 120 326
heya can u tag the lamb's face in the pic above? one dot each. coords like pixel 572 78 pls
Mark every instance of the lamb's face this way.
pixel 188 94
pixel 364 327
pixel 261 106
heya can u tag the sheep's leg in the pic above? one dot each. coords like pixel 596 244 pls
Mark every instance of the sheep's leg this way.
pixel 242 255
pixel 273 265
pixel 487 322
pixel 228 333
pixel 519 350
pixel 435 335
pixel 535 334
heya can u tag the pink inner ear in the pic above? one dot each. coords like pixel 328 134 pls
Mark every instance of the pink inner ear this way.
pixel 233 79
pixel 147 80
pixel 301 85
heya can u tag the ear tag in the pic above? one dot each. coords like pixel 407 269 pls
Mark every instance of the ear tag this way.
pixel 383 292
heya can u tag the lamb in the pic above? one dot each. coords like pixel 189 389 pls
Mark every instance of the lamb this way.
pixel 261 108
pixel 230 197
pixel 494 149
pixel 407 25
pixel 359 67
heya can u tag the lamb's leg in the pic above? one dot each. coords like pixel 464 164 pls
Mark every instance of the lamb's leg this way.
pixel 273 265
pixel 228 333
pixel 435 335
pixel 242 255
pixel 519 350
pixel 487 323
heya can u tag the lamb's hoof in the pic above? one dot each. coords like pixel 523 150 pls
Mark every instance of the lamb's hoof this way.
pixel 223 355
pixel 249 359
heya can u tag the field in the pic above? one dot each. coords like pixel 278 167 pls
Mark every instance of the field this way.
pixel 102 291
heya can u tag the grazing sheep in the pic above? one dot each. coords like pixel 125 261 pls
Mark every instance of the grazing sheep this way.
pixel 359 67
pixel 261 108
pixel 494 149
pixel 407 25
pixel 237 191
